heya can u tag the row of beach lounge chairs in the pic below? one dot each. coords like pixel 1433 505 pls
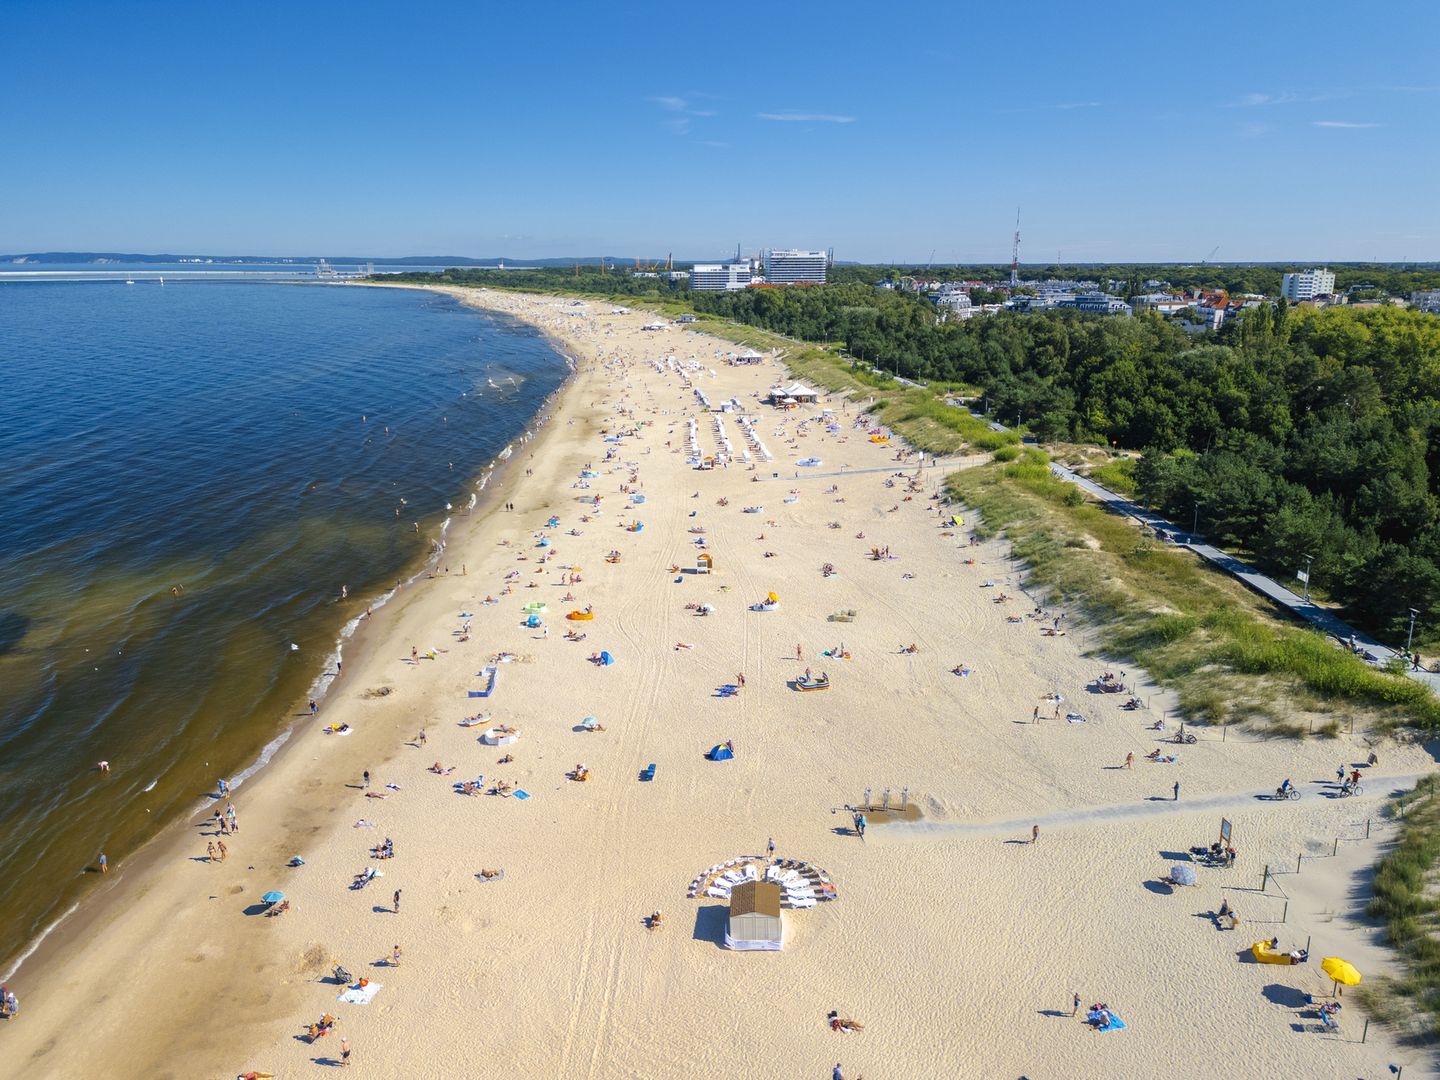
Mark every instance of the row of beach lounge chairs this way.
pixel 803 886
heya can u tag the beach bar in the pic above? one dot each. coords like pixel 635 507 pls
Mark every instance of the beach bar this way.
pixel 755 923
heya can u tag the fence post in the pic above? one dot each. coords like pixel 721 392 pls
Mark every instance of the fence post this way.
pixel 1297 861
pixel 1285 915
pixel 1367 828
pixel 1265 878
pixel 1366 1031
pixel 1335 847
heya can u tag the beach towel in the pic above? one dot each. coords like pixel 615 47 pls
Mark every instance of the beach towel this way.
pixel 483 879
pixel 521 793
pixel 1075 718
pixel 1116 1024
pixel 360 995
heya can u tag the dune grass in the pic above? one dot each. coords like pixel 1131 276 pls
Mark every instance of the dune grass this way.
pixel 1225 653
pixel 1405 900
pixel 1118 475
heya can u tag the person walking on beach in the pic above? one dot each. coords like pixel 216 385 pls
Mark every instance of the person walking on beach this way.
pixel 1074 1003
pixel 210 851
pixel 313 707
pixel 397 901
pixel 860 825
pixel 770 848
pixel 1177 791
pixel 836 1074
pixel 220 847
pixel 104 864
pixel 1130 760
pixel 740 679
pixel 345 1052
pixel 1034 833
pixel 366 778
pixel 1035 716
pixel 799 652
pixel 421 737
pixel 395 956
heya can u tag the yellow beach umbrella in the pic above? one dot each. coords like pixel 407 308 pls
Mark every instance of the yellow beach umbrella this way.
pixel 1342 971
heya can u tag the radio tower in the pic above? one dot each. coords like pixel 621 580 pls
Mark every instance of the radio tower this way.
pixel 1015 253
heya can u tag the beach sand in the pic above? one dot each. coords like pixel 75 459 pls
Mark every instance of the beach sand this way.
pixel 954 941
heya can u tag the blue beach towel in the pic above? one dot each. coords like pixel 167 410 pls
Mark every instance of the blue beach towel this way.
pixel 521 793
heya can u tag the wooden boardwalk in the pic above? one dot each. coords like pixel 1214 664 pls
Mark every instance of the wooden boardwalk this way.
pixel 1322 618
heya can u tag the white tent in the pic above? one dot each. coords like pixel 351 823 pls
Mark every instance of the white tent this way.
pixel 755 922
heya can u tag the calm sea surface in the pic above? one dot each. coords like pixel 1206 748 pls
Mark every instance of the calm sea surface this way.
pixel 189 474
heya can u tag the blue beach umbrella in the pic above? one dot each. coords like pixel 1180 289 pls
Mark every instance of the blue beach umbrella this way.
pixel 1183 874
pixel 273 897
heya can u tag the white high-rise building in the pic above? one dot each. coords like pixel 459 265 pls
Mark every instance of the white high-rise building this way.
pixel 1307 284
pixel 718 277
pixel 790 267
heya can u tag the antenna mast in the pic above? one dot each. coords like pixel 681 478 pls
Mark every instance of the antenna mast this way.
pixel 1015 253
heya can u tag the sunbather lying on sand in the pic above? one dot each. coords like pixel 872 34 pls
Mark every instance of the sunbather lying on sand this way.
pixel 841 1023
pixel 377 794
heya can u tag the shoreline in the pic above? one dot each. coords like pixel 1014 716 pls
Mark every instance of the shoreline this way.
pixel 355 631
pixel 560 942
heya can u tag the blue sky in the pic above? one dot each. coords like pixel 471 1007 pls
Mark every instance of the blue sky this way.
pixel 1124 131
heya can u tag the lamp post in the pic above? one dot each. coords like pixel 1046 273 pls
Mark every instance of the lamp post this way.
pixel 1195 525
pixel 1410 637
pixel 1309 561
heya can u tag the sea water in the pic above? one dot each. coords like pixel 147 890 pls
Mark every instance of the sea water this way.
pixel 190 474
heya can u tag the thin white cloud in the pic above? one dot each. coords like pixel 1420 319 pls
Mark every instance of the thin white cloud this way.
pixel 715 143
pixel 670 103
pixel 1345 124
pixel 1289 97
pixel 810 118
pixel 680 123
pixel 1080 105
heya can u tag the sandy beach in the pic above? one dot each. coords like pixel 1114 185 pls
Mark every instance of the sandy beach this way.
pixel 954 939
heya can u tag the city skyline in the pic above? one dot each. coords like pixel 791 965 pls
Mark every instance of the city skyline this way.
pixel 278 131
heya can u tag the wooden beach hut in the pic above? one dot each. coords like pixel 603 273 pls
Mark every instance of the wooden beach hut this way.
pixel 704 564
pixel 755 922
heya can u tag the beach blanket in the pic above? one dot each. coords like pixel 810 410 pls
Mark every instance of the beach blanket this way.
pixel 1075 718
pixel 360 995
pixel 521 793
pixel 1116 1024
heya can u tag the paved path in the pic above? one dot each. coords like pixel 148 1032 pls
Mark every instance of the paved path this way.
pixel 896 467
pixel 1320 617
pixel 1312 793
